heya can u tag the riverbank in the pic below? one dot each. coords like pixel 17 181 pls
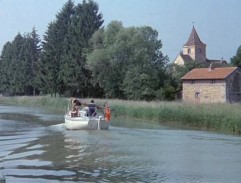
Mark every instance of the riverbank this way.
pixel 215 117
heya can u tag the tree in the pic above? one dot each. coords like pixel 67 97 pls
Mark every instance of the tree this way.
pixel 18 72
pixel 127 62
pixel 33 50
pixel 104 63
pixel 148 62
pixel 6 68
pixel 236 60
pixel 53 48
pixel 18 65
pixel 66 44
pixel 138 85
pixel 86 21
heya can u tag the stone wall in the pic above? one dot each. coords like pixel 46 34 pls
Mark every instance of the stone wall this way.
pixel 204 91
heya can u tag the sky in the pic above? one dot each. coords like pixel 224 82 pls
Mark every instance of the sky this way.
pixel 217 22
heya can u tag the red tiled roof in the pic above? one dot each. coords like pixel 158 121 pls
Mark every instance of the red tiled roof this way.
pixel 207 73
pixel 194 39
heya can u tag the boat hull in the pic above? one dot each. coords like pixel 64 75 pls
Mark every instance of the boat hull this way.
pixel 80 123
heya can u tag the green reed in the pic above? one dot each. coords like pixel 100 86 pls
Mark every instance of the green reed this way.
pixel 217 117
pixel 51 103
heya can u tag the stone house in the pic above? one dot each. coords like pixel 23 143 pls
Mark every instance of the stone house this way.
pixel 194 50
pixel 212 85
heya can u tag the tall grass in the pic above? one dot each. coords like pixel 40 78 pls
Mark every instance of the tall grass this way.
pixel 51 103
pixel 218 117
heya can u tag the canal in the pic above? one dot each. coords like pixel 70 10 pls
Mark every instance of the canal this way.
pixel 35 148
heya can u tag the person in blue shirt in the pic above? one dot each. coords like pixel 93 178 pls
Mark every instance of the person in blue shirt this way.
pixel 92 108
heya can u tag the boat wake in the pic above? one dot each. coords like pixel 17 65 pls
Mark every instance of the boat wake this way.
pixel 60 127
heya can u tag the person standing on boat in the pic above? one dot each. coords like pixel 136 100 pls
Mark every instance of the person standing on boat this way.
pixel 92 108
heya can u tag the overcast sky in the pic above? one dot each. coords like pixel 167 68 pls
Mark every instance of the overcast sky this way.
pixel 218 22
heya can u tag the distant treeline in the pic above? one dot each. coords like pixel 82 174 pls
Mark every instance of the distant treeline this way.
pixel 56 65
pixel 79 57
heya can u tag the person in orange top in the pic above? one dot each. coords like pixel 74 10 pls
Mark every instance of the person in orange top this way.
pixel 107 113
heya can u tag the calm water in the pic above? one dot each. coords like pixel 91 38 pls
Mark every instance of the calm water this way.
pixel 35 148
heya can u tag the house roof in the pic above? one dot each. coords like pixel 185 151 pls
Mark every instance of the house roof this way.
pixel 194 39
pixel 208 73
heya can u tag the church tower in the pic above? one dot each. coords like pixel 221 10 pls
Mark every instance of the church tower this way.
pixel 195 48
pixel 195 51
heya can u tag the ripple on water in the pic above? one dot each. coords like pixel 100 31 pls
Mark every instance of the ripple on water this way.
pixel 37 151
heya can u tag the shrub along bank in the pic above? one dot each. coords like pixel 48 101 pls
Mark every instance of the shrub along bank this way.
pixel 215 117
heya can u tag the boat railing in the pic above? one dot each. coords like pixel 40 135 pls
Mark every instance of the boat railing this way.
pixel 94 113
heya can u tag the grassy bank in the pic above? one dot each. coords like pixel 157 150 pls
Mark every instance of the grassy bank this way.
pixel 51 103
pixel 215 117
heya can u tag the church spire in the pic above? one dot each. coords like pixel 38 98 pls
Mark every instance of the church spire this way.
pixel 194 39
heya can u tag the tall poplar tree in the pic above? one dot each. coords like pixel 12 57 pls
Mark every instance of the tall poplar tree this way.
pixel 53 45
pixel 33 50
pixel 6 69
pixel 65 46
pixel 18 65
pixel 85 22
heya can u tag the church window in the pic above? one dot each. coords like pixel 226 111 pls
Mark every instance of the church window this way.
pixel 188 51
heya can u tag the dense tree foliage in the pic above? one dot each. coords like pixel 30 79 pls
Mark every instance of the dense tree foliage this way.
pixel 127 62
pixel 19 73
pixel 236 60
pixel 60 65
pixel 79 57
pixel 65 46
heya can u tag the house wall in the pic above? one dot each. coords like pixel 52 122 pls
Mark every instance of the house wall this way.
pixel 234 87
pixel 204 91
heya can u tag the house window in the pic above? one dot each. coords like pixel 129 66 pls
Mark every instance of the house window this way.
pixel 213 81
pixel 193 82
pixel 197 94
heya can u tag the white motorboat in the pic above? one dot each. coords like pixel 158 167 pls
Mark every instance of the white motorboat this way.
pixel 84 121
